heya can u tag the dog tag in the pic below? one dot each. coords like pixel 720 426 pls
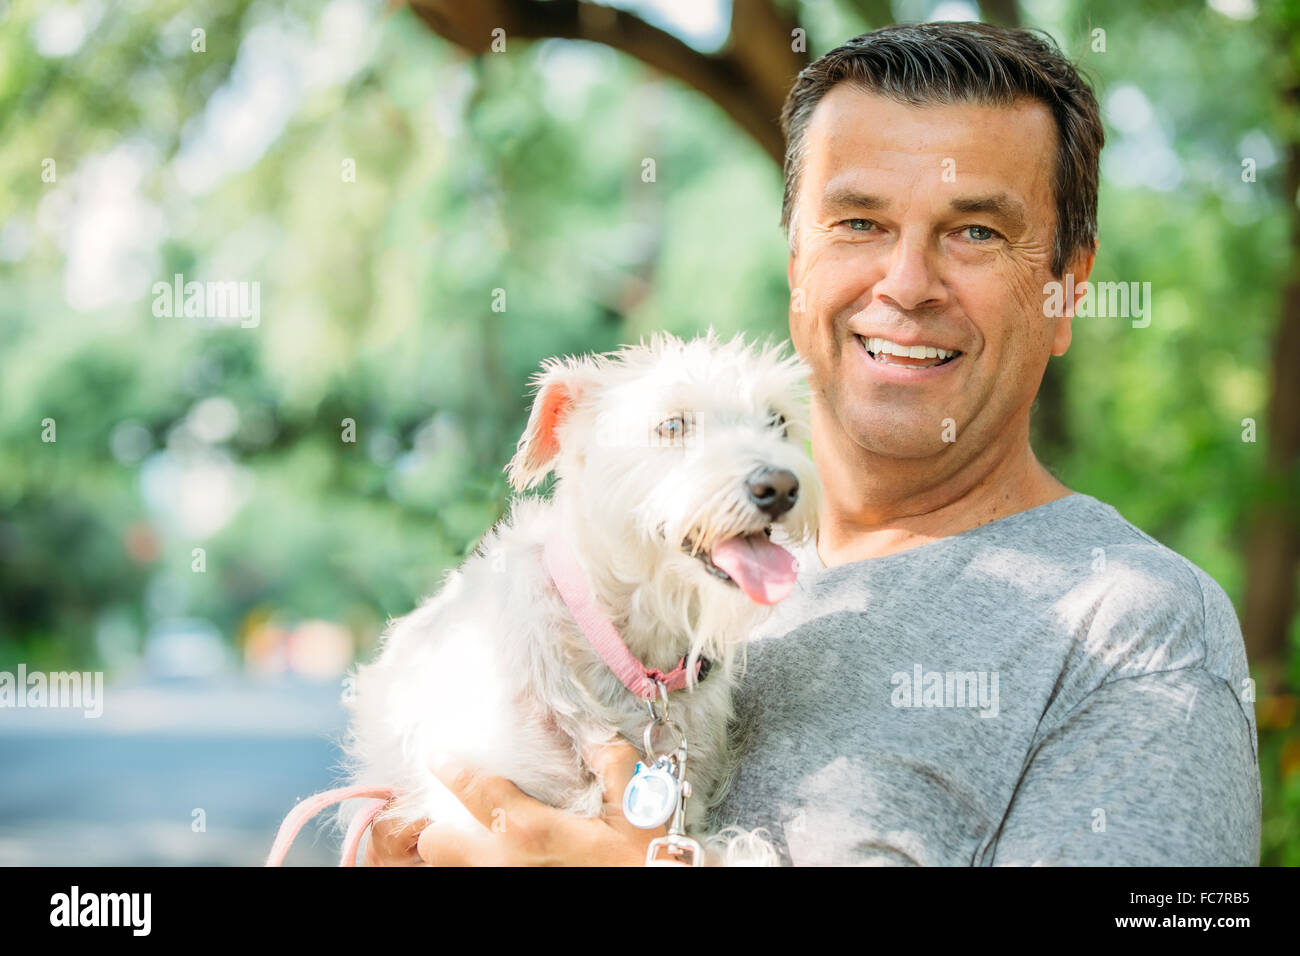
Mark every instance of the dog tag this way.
pixel 651 796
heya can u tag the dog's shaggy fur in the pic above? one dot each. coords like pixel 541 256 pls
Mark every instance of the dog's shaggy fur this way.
pixel 493 671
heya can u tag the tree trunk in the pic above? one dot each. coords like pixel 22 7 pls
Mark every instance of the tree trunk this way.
pixel 1273 552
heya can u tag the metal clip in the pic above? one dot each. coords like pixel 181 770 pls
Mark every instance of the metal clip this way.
pixel 680 848
pixel 658 715
pixel 676 846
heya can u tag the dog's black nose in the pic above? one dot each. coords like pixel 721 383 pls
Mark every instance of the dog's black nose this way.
pixel 774 490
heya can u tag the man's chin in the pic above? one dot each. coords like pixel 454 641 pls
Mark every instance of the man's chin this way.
pixel 905 437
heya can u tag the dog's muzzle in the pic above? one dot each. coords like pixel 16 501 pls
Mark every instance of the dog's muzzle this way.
pixel 749 560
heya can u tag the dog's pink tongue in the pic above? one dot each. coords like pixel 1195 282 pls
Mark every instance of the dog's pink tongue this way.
pixel 763 570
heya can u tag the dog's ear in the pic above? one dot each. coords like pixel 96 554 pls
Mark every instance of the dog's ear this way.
pixel 560 385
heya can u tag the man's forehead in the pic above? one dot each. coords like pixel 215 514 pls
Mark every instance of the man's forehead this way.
pixel 850 121
pixel 856 140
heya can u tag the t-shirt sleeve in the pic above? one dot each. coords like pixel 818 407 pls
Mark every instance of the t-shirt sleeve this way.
pixel 1152 770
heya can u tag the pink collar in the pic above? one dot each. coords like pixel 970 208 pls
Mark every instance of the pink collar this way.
pixel 562 565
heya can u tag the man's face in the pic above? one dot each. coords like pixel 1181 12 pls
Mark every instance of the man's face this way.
pixel 925 226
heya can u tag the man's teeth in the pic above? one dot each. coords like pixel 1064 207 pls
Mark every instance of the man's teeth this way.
pixel 879 346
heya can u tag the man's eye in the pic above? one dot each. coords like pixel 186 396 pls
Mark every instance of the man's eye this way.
pixel 981 233
pixel 858 225
pixel 671 428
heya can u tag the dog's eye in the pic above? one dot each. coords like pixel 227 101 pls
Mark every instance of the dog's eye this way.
pixel 672 428
pixel 778 421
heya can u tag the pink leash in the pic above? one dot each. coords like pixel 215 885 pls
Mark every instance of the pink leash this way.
pixel 313 805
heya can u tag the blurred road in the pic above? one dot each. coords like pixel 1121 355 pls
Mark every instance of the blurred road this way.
pixel 123 789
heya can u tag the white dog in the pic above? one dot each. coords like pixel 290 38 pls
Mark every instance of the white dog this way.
pixel 674 463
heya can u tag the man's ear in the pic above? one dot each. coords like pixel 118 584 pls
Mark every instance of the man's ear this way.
pixel 1081 268
pixel 560 385
pixel 795 316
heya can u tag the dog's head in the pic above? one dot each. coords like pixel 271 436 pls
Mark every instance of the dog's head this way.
pixel 683 455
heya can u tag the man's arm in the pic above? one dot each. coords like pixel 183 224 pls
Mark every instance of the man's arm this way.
pixel 1153 770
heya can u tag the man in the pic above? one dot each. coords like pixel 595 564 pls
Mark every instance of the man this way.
pixel 979 666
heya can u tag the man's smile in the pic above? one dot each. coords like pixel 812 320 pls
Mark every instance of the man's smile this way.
pixel 910 362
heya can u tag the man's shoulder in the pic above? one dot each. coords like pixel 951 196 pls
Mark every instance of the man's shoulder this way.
pixel 1130 567
pixel 1141 607
pixel 1127 612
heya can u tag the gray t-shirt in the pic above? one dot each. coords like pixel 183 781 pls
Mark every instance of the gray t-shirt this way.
pixel 1054 688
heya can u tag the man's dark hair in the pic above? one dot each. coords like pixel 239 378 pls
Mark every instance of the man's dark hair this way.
pixel 920 64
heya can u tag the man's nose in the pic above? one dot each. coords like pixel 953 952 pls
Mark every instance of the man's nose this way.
pixel 773 490
pixel 910 281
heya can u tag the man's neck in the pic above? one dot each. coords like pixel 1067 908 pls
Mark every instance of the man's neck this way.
pixel 875 505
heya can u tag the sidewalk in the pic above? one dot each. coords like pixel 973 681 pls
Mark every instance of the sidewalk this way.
pixel 123 789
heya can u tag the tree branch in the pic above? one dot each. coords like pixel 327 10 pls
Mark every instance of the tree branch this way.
pixel 748 79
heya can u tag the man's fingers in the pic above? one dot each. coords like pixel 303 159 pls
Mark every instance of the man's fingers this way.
pixel 614 763
pixel 518 830
pixel 393 843
pixel 443 844
pixel 488 799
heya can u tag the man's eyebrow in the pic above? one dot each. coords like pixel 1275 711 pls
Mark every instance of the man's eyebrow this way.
pixel 998 204
pixel 849 198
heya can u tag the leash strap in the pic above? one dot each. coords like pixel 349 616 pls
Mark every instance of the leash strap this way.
pixel 314 804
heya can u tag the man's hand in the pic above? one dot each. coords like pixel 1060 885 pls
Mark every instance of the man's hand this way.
pixel 518 830
pixel 392 844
